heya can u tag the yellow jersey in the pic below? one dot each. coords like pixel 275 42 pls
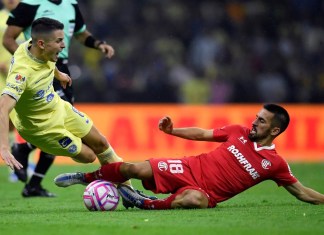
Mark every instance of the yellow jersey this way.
pixel 30 83
pixel 5 55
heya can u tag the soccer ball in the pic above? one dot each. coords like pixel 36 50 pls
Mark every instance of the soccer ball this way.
pixel 101 195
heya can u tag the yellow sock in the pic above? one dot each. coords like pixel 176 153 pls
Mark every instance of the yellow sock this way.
pixel 109 156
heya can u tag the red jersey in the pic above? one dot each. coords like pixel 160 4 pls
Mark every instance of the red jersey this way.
pixel 237 165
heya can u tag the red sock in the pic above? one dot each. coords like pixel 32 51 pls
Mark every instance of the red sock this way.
pixel 109 172
pixel 159 204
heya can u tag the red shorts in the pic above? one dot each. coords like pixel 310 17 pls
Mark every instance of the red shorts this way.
pixel 172 176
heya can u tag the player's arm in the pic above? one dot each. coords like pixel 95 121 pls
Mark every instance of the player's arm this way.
pixel 190 133
pixel 64 78
pixel 9 38
pixel 7 103
pixel 88 40
pixel 85 37
pixel 305 194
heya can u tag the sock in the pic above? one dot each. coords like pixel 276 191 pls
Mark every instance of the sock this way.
pixel 109 156
pixel 44 163
pixel 21 152
pixel 110 172
pixel 159 204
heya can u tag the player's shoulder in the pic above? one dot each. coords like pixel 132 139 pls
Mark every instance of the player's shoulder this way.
pixel 32 2
pixel 235 127
pixel 74 1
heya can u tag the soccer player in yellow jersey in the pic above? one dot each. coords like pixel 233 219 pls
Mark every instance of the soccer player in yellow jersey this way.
pixel 40 116
pixel 5 57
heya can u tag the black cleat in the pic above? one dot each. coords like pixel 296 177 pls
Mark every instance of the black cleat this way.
pixel 131 198
pixel 37 191
pixel 127 204
pixel 141 193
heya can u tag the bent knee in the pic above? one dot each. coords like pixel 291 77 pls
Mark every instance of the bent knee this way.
pixel 194 199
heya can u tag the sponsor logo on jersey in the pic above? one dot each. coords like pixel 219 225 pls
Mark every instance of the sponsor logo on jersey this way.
pixel 65 142
pixel 14 87
pixel 72 148
pixel 50 97
pixel 265 164
pixel 242 140
pixel 20 79
pixel 242 160
pixel 39 95
pixel 163 166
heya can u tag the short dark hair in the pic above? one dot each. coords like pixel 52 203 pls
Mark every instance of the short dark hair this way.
pixel 45 25
pixel 281 117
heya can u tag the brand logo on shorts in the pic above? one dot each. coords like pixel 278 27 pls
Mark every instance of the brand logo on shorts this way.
pixel 265 164
pixel 65 142
pixel 72 148
pixel 163 166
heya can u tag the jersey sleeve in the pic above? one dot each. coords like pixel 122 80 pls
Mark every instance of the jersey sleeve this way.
pixel 283 175
pixel 79 22
pixel 23 15
pixel 15 85
pixel 222 134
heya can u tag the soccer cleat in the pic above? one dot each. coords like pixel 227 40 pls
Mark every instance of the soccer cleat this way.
pixel 146 196
pixel 37 191
pixel 127 204
pixel 68 179
pixel 131 197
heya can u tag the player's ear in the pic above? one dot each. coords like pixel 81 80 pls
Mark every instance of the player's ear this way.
pixel 41 44
pixel 275 131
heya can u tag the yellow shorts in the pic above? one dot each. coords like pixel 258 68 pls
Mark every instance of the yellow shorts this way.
pixel 62 136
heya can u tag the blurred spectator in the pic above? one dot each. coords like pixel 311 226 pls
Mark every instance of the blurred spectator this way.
pixel 160 46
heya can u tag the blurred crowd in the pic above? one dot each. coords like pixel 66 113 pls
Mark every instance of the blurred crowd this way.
pixel 202 51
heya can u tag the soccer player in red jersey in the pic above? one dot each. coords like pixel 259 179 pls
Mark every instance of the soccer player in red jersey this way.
pixel 245 158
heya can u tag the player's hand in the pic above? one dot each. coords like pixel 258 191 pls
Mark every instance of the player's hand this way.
pixel 64 79
pixel 107 50
pixel 10 160
pixel 166 125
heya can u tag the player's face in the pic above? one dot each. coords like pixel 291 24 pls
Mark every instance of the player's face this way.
pixel 261 126
pixel 10 4
pixel 53 45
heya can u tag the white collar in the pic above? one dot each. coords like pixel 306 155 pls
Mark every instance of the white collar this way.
pixel 256 148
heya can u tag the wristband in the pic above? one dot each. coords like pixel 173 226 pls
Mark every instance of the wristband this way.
pixel 90 42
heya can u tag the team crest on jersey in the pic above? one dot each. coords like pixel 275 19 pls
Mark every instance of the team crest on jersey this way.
pixel 163 166
pixel 72 148
pixel 242 140
pixel 20 79
pixel 50 97
pixel 265 164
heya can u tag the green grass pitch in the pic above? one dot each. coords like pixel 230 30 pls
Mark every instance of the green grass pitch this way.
pixel 264 209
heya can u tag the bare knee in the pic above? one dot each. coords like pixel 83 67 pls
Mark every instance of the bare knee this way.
pixel 190 199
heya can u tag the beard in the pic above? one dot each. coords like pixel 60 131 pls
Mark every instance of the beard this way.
pixel 255 137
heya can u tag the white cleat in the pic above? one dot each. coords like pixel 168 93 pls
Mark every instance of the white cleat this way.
pixel 68 179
